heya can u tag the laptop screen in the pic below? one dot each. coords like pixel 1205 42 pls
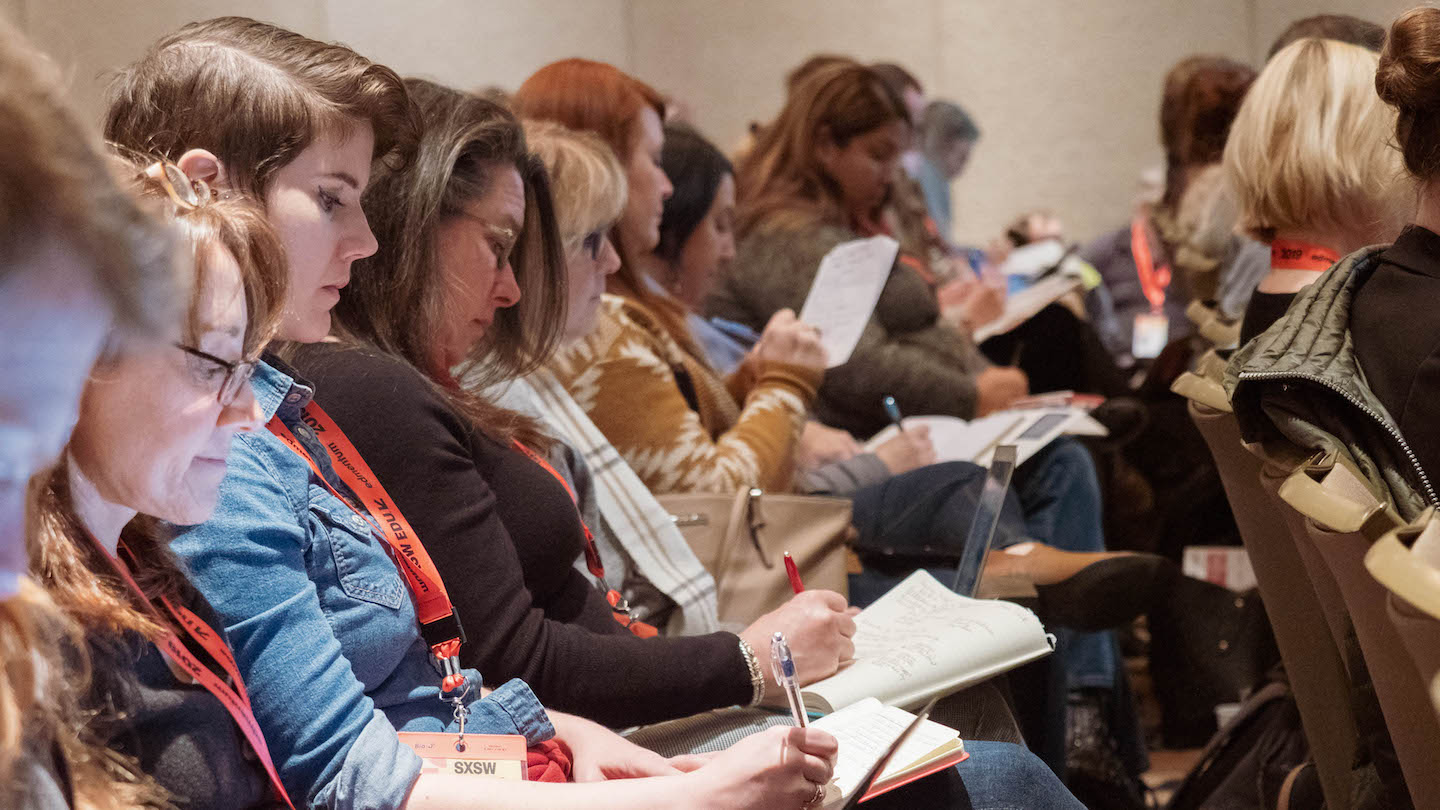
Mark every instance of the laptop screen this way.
pixel 987 517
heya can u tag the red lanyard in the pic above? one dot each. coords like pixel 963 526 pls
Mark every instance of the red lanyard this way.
pixel 1289 254
pixel 439 624
pixel 1153 280
pixel 236 701
pixel 619 607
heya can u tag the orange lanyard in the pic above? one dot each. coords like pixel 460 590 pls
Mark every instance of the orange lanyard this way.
pixel 1289 254
pixel 1153 280
pixel 236 701
pixel 618 606
pixel 439 624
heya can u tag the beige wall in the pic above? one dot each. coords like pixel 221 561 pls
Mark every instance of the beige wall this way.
pixel 1065 93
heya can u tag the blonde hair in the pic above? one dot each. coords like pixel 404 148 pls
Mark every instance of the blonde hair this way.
pixel 1310 147
pixel 586 179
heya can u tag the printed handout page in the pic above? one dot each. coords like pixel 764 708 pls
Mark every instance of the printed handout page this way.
pixel 922 639
pixel 845 290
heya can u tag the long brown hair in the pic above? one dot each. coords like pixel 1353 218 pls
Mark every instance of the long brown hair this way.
pixel 396 298
pixel 600 98
pixel 781 182
pixel 73 570
pixel 255 95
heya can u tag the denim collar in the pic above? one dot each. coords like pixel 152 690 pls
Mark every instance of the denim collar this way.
pixel 280 389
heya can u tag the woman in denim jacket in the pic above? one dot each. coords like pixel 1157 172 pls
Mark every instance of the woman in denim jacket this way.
pixel 322 625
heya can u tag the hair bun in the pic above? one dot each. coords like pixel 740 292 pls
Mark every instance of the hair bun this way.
pixel 1409 74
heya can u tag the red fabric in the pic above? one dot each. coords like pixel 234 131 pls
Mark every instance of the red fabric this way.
pixel 548 762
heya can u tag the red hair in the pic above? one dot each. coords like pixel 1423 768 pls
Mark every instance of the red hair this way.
pixel 596 97
pixel 587 95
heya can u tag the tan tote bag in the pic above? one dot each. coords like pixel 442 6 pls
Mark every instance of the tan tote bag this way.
pixel 741 540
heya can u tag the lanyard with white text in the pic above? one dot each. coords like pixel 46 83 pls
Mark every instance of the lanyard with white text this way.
pixel 1153 280
pixel 1291 254
pixel 236 701
pixel 439 624
pixel 619 607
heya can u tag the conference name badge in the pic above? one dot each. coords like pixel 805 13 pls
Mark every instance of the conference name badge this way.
pixel 483 756
pixel 1152 333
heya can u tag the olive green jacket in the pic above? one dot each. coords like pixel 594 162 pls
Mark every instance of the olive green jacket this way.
pixel 1300 381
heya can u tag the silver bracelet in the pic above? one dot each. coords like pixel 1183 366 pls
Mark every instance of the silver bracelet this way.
pixel 757 678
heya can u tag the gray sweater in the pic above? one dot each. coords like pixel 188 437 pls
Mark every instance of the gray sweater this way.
pixel 905 351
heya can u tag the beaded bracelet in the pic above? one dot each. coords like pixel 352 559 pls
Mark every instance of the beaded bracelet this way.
pixel 757 678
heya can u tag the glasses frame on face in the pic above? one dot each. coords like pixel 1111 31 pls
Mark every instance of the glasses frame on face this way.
pixel 236 374
pixel 508 237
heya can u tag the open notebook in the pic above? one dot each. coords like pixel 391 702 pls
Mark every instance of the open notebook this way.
pixel 866 731
pixel 1029 429
pixel 922 639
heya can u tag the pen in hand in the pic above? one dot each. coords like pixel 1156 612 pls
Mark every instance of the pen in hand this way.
pixel 893 411
pixel 783 666
pixel 794 574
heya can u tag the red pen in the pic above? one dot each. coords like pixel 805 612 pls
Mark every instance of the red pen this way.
pixel 794 573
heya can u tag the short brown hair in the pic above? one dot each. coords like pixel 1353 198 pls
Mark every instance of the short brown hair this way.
pixel 1201 96
pixel 1409 80
pixel 396 297
pixel 255 95
pixel 1339 27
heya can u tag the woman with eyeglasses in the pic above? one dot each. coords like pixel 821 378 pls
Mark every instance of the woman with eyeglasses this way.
pixel 156 419
pixel 78 260
pixel 337 630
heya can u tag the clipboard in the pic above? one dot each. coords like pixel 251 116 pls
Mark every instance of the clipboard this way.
pixel 879 766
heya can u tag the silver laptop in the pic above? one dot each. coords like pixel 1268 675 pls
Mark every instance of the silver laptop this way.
pixel 987 517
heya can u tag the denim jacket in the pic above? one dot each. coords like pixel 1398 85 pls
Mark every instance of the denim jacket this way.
pixel 322 625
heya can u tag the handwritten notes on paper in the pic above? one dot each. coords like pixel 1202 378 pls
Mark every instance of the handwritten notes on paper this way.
pixel 867 729
pixel 845 290
pixel 922 639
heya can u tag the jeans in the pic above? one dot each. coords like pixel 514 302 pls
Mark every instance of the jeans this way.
pixel 997 776
pixel 1055 499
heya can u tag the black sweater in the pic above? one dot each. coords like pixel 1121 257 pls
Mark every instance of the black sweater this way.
pixel 180 733
pixel 505 536
pixel 1396 328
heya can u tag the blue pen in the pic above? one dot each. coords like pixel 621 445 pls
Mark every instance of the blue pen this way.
pixel 893 411
pixel 783 666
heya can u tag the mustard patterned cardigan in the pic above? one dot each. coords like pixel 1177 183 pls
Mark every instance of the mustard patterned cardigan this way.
pixel 626 375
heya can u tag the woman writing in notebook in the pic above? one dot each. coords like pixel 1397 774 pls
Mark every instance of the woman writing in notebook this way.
pixel 476 287
pixel 703 433
pixel 708 434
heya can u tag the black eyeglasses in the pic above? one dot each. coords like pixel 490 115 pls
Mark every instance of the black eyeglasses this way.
pixel 231 376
